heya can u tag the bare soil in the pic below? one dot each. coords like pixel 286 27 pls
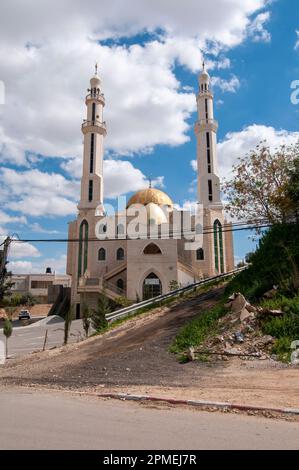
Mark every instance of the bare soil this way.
pixel 134 358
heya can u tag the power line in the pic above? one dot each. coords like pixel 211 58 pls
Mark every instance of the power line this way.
pixel 145 236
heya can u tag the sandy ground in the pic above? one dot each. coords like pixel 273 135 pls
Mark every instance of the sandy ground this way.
pixel 38 310
pixel 134 358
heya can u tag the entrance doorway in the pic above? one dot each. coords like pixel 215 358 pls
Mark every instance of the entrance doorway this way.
pixel 151 286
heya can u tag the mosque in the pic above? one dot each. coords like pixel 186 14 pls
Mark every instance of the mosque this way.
pixel 147 255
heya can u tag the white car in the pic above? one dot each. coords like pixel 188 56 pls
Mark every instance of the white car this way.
pixel 24 315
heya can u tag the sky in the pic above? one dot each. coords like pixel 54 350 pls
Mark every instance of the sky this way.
pixel 149 54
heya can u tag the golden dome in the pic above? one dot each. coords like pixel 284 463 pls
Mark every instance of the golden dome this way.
pixel 145 196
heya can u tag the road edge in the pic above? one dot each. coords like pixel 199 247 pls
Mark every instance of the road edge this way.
pixel 201 403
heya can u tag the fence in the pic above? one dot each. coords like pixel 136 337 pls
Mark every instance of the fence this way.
pixel 155 300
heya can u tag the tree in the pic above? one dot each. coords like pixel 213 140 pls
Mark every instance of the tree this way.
pixel 67 324
pixel 5 282
pixel 259 189
pixel 99 315
pixel 7 331
pixel 293 188
pixel 86 319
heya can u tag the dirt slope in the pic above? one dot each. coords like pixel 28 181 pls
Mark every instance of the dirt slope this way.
pixel 134 357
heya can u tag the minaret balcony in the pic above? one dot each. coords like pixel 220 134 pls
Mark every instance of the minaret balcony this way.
pixel 98 97
pixel 206 125
pixel 94 126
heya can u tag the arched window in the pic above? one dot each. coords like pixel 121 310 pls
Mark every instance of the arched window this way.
pixel 120 254
pixel 152 249
pixel 199 254
pixel 120 284
pixel 218 246
pixel 102 254
pixel 83 248
pixel 151 286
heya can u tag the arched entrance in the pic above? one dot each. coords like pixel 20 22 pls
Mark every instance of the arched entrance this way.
pixel 151 286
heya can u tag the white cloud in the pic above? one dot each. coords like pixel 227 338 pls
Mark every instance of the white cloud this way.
pixel 231 85
pixel 20 267
pixel 120 176
pixel 297 41
pixel 11 219
pixel 21 250
pixel 237 144
pixel 36 193
pixel 31 267
pixel 37 228
pixel 257 28
pixel 187 205
pixel 41 194
pixel 146 105
pixel 193 164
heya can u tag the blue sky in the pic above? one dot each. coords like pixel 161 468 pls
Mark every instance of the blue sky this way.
pixel 149 61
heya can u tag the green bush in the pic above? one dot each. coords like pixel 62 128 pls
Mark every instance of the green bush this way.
pixel 197 330
pixel 286 328
pixel 282 349
pixel 275 262
pixel 280 327
pixel 280 302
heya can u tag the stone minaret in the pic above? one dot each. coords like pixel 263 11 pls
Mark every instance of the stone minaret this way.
pixel 206 133
pixel 94 131
pixel 217 251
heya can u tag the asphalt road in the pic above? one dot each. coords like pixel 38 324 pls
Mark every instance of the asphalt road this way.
pixel 26 339
pixel 57 420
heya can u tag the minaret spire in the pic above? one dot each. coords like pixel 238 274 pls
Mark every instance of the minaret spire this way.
pixel 206 133
pixel 94 131
pixel 96 68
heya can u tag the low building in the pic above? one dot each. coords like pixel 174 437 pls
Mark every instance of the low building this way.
pixel 39 285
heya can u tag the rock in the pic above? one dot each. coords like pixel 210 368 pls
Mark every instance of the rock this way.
pixel 238 303
pixel 264 341
pixel 238 337
pixel 232 351
pixel 295 357
pixel 246 314
pixel 248 329
pixel 219 339
pixel 251 308
pixel 295 344
pixel 232 297
pixel 191 354
pixel 273 313
pixel 271 293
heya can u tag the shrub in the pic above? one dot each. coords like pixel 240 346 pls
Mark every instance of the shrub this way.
pixel 98 318
pixel 197 330
pixel 276 261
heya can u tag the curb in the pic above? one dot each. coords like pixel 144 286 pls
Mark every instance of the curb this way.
pixel 200 404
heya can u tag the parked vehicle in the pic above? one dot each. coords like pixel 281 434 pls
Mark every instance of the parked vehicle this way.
pixel 24 315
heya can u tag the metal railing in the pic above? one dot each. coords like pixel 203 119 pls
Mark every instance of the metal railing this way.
pixel 135 307
pixel 200 122
pixel 114 288
pixel 96 123
pixel 92 96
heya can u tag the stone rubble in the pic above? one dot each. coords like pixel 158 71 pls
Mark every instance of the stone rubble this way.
pixel 240 333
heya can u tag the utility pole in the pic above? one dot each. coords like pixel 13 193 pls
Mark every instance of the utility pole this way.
pixel 3 262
